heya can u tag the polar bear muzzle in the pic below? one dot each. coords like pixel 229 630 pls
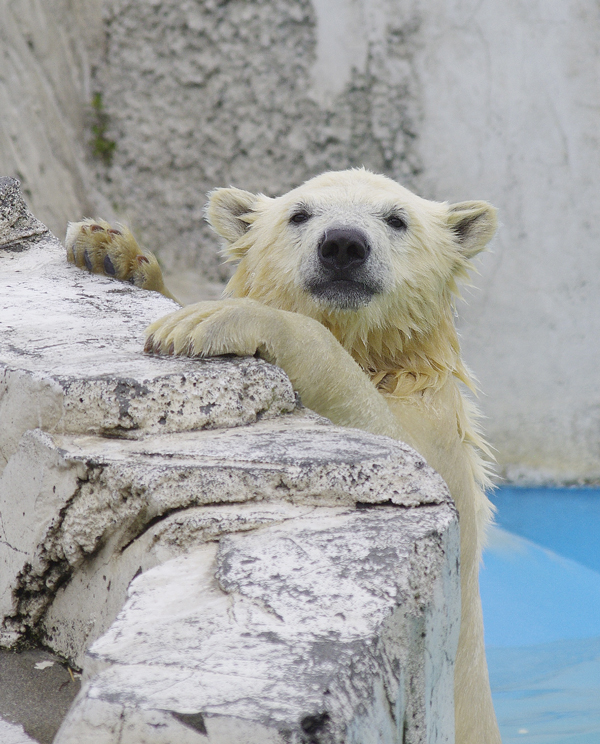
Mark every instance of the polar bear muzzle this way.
pixel 342 277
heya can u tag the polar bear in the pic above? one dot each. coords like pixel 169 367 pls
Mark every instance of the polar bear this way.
pixel 347 283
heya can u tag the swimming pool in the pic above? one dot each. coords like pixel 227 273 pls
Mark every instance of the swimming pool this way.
pixel 540 588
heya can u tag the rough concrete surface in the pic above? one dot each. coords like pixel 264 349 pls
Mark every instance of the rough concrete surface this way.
pixel 84 509
pixel 71 356
pixel 16 221
pixel 290 633
pixel 324 559
pixel 46 58
pixel 206 94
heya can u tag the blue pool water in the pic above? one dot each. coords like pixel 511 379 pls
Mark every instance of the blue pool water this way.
pixel 540 588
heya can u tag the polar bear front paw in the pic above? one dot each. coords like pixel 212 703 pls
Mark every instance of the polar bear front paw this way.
pixel 112 251
pixel 241 327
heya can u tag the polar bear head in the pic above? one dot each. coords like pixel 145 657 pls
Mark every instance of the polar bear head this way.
pixel 355 250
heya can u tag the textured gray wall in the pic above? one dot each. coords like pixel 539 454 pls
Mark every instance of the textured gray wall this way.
pixel 45 89
pixel 205 94
pixel 458 100
pixel 510 95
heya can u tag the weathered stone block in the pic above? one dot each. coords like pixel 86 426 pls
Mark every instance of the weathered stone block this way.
pixel 71 357
pixel 17 224
pixel 334 626
pixel 82 514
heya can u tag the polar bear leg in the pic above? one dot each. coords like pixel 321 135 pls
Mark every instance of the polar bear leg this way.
pixel 328 380
pixel 475 717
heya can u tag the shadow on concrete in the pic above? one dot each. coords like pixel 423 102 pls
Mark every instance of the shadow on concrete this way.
pixel 37 698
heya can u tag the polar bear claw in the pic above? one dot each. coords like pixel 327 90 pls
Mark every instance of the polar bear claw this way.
pixel 96 246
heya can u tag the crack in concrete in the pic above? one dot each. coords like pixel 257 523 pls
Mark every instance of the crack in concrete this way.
pixel 12 547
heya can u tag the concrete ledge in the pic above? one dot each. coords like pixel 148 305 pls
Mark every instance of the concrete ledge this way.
pixel 71 358
pixel 83 514
pixel 333 626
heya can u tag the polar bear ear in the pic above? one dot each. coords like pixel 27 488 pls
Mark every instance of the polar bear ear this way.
pixel 473 224
pixel 226 212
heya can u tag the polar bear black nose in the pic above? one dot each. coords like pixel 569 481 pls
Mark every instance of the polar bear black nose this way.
pixel 343 248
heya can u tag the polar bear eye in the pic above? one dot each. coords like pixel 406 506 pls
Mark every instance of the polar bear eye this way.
pixel 396 222
pixel 300 216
